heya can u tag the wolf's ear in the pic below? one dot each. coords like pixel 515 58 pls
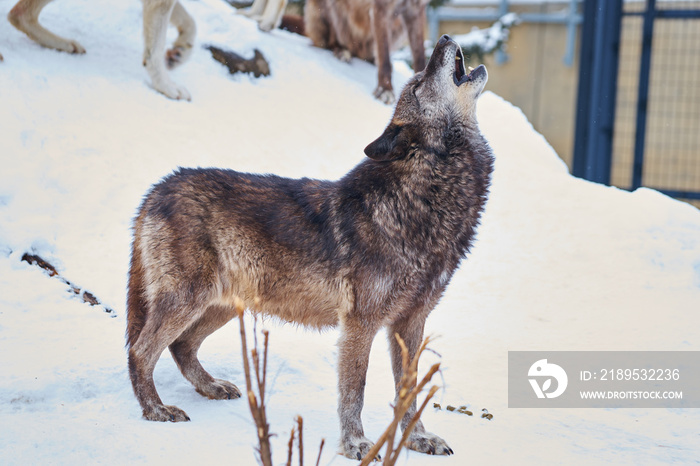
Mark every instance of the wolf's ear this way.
pixel 392 144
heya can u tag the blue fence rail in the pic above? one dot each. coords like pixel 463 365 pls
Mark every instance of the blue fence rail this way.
pixel 570 17
pixel 597 89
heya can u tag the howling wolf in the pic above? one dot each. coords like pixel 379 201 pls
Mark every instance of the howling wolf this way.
pixel 375 249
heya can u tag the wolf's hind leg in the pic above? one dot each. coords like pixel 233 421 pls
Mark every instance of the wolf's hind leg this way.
pixel 164 324
pixel 183 45
pixel 316 24
pixel 156 14
pixel 255 11
pixel 184 351
pixel 272 16
pixel 25 17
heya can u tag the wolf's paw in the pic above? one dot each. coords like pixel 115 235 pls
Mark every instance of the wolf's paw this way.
pixel 266 26
pixel 64 45
pixel 74 47
pixel 163 413
pixel 425 442
pixel 61 44
pixel 357 448
pixel 384 95
pixel 176 56
pixel 171 90
pixel 343 55
pixel 220 390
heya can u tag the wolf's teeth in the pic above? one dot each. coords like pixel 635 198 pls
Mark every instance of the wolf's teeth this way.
pixel 470 68
pixel 457 58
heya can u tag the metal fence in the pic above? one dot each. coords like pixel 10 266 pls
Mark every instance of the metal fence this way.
pixel 454 12
pixel 638 115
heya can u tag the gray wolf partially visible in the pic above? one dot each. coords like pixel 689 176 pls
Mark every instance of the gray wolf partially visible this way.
pixel 375 249
pixel 369 30
pixel 156 15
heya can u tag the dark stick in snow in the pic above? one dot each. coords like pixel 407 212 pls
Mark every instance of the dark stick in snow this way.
pixel 51 270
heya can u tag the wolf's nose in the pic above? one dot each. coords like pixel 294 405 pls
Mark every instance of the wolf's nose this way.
pixel 444 39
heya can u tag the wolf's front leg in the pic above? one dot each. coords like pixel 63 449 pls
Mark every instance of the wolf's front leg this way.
pixel 414 18
pixel 410 329
pixel 183 45
pixel 353 359
pixel 381 19
pixel 156 15
pixel 25 17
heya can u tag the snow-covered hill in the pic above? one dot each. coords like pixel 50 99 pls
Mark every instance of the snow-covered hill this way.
pixel 560 263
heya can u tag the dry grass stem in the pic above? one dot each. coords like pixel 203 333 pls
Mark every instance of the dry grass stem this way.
pixel 290 447
pixel 300 424
pixel 257 409
pixel 257 403
pixel 410 426
pixel 408 390
pixel 320 450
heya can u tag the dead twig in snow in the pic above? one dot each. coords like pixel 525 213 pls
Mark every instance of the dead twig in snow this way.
pixel 300 423
pixel 320 450
pixel 290 447
pixel 85 295
pixel 408 391
pixel 257 402
pixel 257 408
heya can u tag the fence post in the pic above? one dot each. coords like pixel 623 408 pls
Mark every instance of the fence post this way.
pixel 643 94
pixel 597 89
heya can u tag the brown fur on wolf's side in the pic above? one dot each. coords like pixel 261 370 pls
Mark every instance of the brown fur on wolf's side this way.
pixel 369 30
pixel 374 249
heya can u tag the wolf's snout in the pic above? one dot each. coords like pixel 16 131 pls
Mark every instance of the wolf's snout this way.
pixel 444 39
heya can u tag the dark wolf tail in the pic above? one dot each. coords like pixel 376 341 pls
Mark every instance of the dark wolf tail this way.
pixel 136 303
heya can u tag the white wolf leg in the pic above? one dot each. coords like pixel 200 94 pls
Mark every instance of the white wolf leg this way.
pixel 183 45
pixel 25 17
pixel 272 17
pixel 256 10
pixel 156 15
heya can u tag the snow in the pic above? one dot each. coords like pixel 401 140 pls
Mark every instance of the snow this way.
pixel 560 263
pixel 490 39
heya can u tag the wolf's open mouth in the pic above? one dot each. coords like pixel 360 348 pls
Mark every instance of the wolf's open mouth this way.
pixel 460 75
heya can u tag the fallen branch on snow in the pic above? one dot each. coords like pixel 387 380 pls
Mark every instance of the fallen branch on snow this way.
pixel 85 295
pixel 235 63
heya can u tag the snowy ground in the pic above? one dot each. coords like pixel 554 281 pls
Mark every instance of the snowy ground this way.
pixel 560 263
